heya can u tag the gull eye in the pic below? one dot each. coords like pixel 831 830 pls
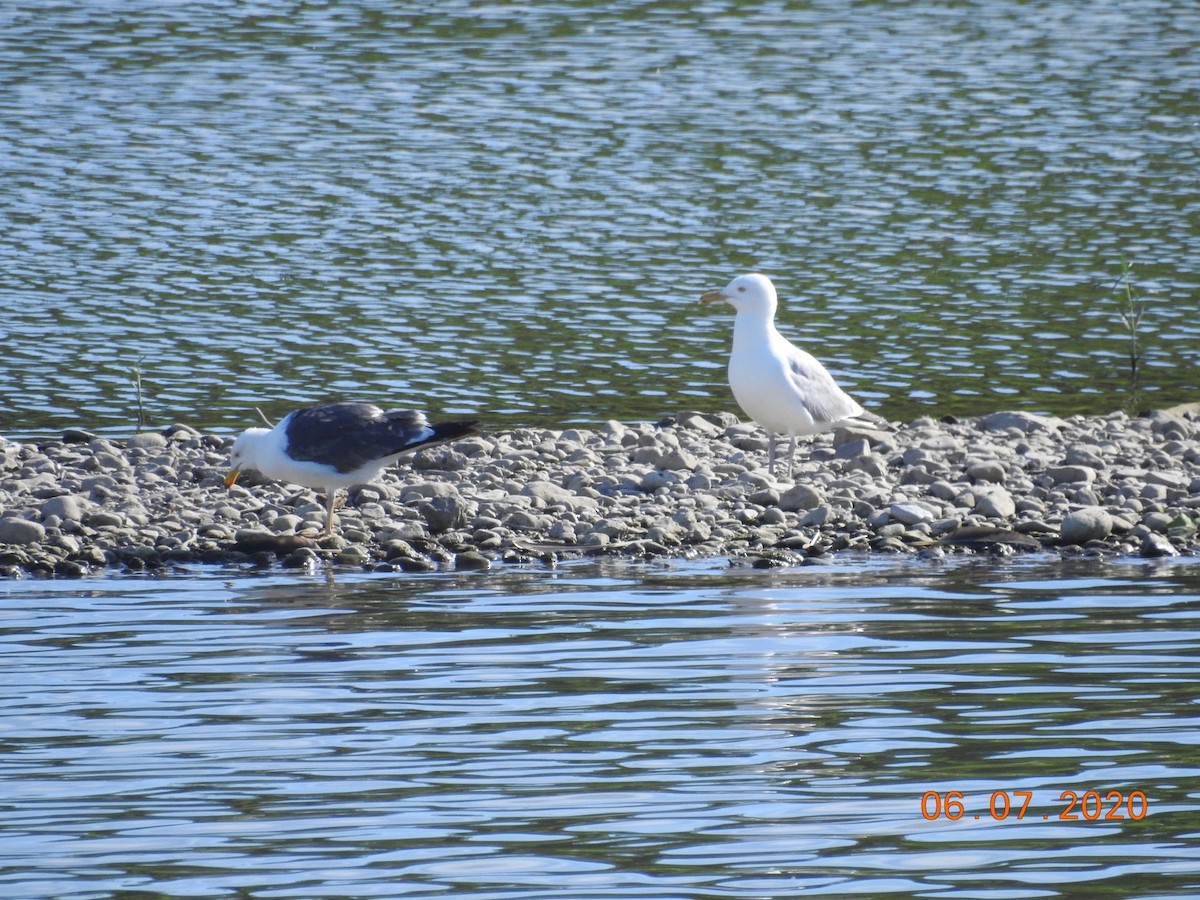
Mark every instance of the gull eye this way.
pixel 742 289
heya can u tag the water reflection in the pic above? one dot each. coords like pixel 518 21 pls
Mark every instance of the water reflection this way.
pixel 512 212
pixel 600 730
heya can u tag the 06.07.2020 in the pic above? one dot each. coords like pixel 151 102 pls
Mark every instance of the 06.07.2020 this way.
pixel 1088 806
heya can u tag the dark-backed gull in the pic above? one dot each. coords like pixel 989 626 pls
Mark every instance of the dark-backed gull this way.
pixel 335 445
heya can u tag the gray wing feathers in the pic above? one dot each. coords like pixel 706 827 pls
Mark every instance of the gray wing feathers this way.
pixel 825 401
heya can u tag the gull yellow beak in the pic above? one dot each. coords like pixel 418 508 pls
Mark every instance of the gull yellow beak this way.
pixel 712 297
pixel 232 477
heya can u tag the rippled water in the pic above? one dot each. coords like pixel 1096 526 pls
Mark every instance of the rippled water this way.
pixel 678 730
pixel 510 210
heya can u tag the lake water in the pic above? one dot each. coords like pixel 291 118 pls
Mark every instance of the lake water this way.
pixel 510 210
pixel 679 730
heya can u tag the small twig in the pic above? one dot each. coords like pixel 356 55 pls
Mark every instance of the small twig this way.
pixel 137 387
pixel 263 416
pixel 1133 308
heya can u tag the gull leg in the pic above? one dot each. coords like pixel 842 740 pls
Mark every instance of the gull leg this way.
pixel 791 455
pixel 770 453
pixel 332 494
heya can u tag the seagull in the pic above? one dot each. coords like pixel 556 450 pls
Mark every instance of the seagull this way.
pixel 778 385
pixel 335 445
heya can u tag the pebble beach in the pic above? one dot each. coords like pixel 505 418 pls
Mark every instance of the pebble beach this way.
pixel 694 485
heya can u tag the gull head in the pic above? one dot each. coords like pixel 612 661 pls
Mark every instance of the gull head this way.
pixel 244 453
pixel 747 293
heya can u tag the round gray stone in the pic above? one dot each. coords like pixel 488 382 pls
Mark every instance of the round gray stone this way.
pixel 995 503
pixel 988 470
pixel 1157 521
pixel 21 531
pixel 1156 545
pixel 1023 421
pixel 679 459
pixel 800 496
pixel 472 560
pixel 1078 455
pixel 68 508
pixel 911 513
pixel 443 513
pixel 548 492
pixel 765 497
pixel 817 516
pixel 430 489
pixel 1072 474
pixel 1092 523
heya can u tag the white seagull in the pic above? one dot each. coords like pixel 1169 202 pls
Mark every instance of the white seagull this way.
pixel 335 445
pixel 778 385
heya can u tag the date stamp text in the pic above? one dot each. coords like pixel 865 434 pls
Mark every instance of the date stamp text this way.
pixel 1089 806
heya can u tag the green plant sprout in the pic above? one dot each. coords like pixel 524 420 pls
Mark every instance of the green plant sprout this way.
pixel 1133 305
pixel 136 376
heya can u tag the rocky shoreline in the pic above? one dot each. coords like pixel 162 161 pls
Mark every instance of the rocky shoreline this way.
pixel 695 485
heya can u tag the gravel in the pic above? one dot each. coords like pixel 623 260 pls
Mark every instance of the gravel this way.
pixel 695 485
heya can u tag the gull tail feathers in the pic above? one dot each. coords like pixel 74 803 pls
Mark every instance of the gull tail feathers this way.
pixel 868 419
pixel 447 431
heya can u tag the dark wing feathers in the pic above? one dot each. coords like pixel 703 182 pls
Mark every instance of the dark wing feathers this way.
pixel 451 431
pixel 347 436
